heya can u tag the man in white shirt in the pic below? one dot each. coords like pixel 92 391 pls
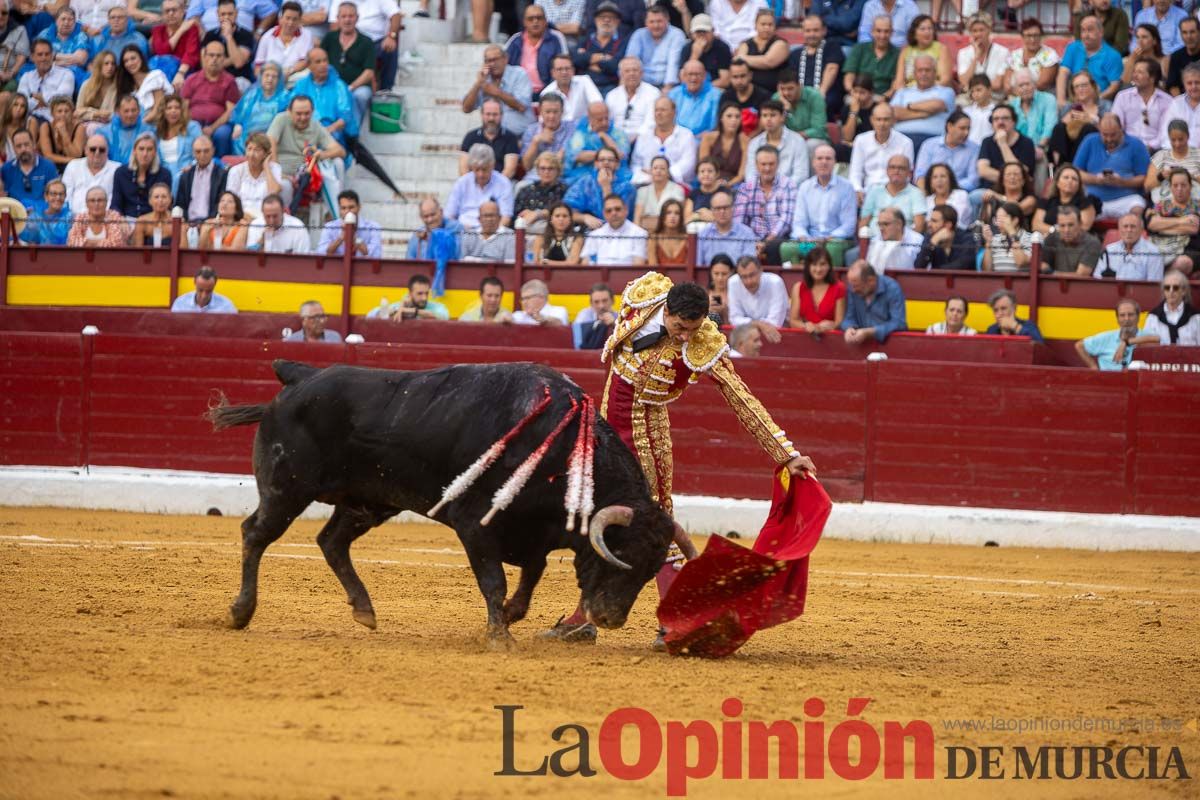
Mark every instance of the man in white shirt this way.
pixel 276 231
pixel 984 56
pixel 536 308
pixel 1142 107
pixel 792 147
pixel 287 44
pixel 733 20
pixel 758 298
pixel 896 246
pixel 93 170
pixel 45 81
pixel 576 91
pixel 871 151
pixel 203 300
pixel 618 242
pixel 631 102
pixel 1131 257
pixel 1185 107
pixel 668 139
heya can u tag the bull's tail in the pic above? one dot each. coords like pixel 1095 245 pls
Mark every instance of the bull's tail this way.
pixel 222 415
pixel 292 372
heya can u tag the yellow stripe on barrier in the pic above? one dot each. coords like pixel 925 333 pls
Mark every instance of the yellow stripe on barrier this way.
pixel 923 313
pixel 88 290
pixel 280 297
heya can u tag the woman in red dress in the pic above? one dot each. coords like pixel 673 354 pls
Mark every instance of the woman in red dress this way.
pixel 819 300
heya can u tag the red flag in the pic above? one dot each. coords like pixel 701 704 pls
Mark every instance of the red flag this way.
pixel 721 598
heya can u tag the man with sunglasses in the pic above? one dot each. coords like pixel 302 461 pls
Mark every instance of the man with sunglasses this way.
pixel 25 177
pixel 94 169
pixel 534 48
pixel 312 325
pixel 1175 320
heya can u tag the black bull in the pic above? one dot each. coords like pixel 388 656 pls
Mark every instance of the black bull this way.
pixel 376 442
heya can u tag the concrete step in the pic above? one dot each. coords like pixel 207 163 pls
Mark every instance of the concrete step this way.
pixel 436 53
pixel 412 189
pixel 427 168
pixel 409 144
pixel 445 121
pixel 458 75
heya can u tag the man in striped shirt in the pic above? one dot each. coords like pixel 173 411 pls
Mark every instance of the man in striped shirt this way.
pixel 766 204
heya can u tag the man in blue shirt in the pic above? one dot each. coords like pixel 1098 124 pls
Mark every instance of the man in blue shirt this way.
pixel 1165 17
pixel 433 219
pixel 332 102
pixel 117 35
pixel 922 110
pixel 1114 168
pixel 25 177
pixel 508 84
pixel 826 210
pixel 368 237
pixel 585 142
pixel 874 307
pixel 1090 52
pixel 902 12
pixel 723 234
pixel 52 223
pixel 696 99
pixel 125 128
pixel 265 11
pixel 203 300
pixel 1111 351
pixel 841 19
pixel 657 46
pixel 954 149
pixel 1004 307
pixel 586 196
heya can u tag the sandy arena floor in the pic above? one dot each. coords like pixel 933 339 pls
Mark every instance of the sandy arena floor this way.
pixel 119 681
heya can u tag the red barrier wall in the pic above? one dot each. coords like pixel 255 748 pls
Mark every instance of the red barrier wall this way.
pixel 920 432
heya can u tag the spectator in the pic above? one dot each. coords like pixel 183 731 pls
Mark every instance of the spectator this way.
pixel 258 108
pixel 126 127
pixel 655 194
pixel 257 177
pixel 547 136
pixel 1069 248
pixel 380 21
pixel 25 176
pixel 1035 56
pixel 1004 307
pixel 72 49
pixel 561 240
pixel 1111 351
pixel 368 236
pixel 922 40
pixel 576 91
pixel 204 298
pixel 955 322
pixel 1037 113
pixel 417 304
pixel 506 84
pixel 710 51
pixel 176 133
pixel 14 117
pixel 492 242
pixel 45 81
pixel 1146 45
pixel 666 139
pixel 842 18
pixel 767 202
pixel 1015 186
pixel 535 48
pixel 566 16
pixel 946 245
pixel 586 196
pixel 804 110
pixel 52 222
pixel 535 200
pixel 758 298
pixel 312 323
pixel 237 57
pixel 902 13
pixel 604 47
pixel 1165 18
pixel 14 49
pixel 536 308
pixel 629 14
pixel 1174 320
pixel 894 246
pixel 148 86
pixel 984 56
pixel 93 170
pixel 201 184
pixel 876 58
pixel 1132 257
pixel 287 44
pixel 1189 34
pixel 1185 107
pixel 482 183
pixel 175 44
pixel 584 144
pixel 432 219
pixel 594 324
pixel 212 95
pixel 1174 223
pixel 766 53
pixel 1114 22
pixel 153 229
pixel 979 109
pixel 248 11
pixel 667 246
pixel 1078 120
pixel 943 190
pixel 955 150
pixel 632 100
pixel 1092 54
pixel 1143 109
pixel 657 46
pixel 871 151
pixel 1113 167
pixel 139 10
pixel 720 270
pixel 874 305
pixel 696 99
pixel 733 20
pixel 117 34
pixel 723 234
pixel 505 147
pixel 98 95
pixel 133 181
pixel 353 55
pixel 1010 247
pixel 1177 154
pixel 818 63
pixel 99 225
pixel 228 228
pixel 790 147
pixel 617 242
pixel 295 138
pixel 896 194
pixel 1067 191
pixel 745 94
pixel 1004 145
pixel 826 209
pixel 922 110
pixel 727 146
pixel 489 308
pixel 745 341
pixel 818 298
pixel 277 231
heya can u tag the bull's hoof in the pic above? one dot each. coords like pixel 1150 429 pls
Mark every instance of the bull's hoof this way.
pixel 237 618
pixel 500 639
pixel 574 633
pixel 366 618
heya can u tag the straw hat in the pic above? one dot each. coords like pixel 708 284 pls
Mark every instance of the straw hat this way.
pixel 18 212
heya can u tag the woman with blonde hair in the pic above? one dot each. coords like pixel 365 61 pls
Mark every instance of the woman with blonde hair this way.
pixel 922 41
pixel 258 176
pixel 61 140
pixel 98 95
pixel 228 229
pixel 177 132
pixel 650 198
pixel 258 106
pixel 15 116
pixel 132 182
pixel 99 226
pixel 153 229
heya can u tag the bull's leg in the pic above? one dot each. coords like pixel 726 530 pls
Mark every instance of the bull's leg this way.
pixel 517 606
pixel 487 564
pixel 265 525
pixel 346 525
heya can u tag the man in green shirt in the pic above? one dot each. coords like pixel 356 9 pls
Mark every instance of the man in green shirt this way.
pixel 876 58
pixel 804 107
pixel 352 55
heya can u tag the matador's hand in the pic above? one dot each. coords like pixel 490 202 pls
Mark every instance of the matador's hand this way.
pixel 802 466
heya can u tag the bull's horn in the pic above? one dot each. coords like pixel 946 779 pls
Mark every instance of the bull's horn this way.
pixel 609 515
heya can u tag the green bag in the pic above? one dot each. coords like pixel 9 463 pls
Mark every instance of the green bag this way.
pixel 387 112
